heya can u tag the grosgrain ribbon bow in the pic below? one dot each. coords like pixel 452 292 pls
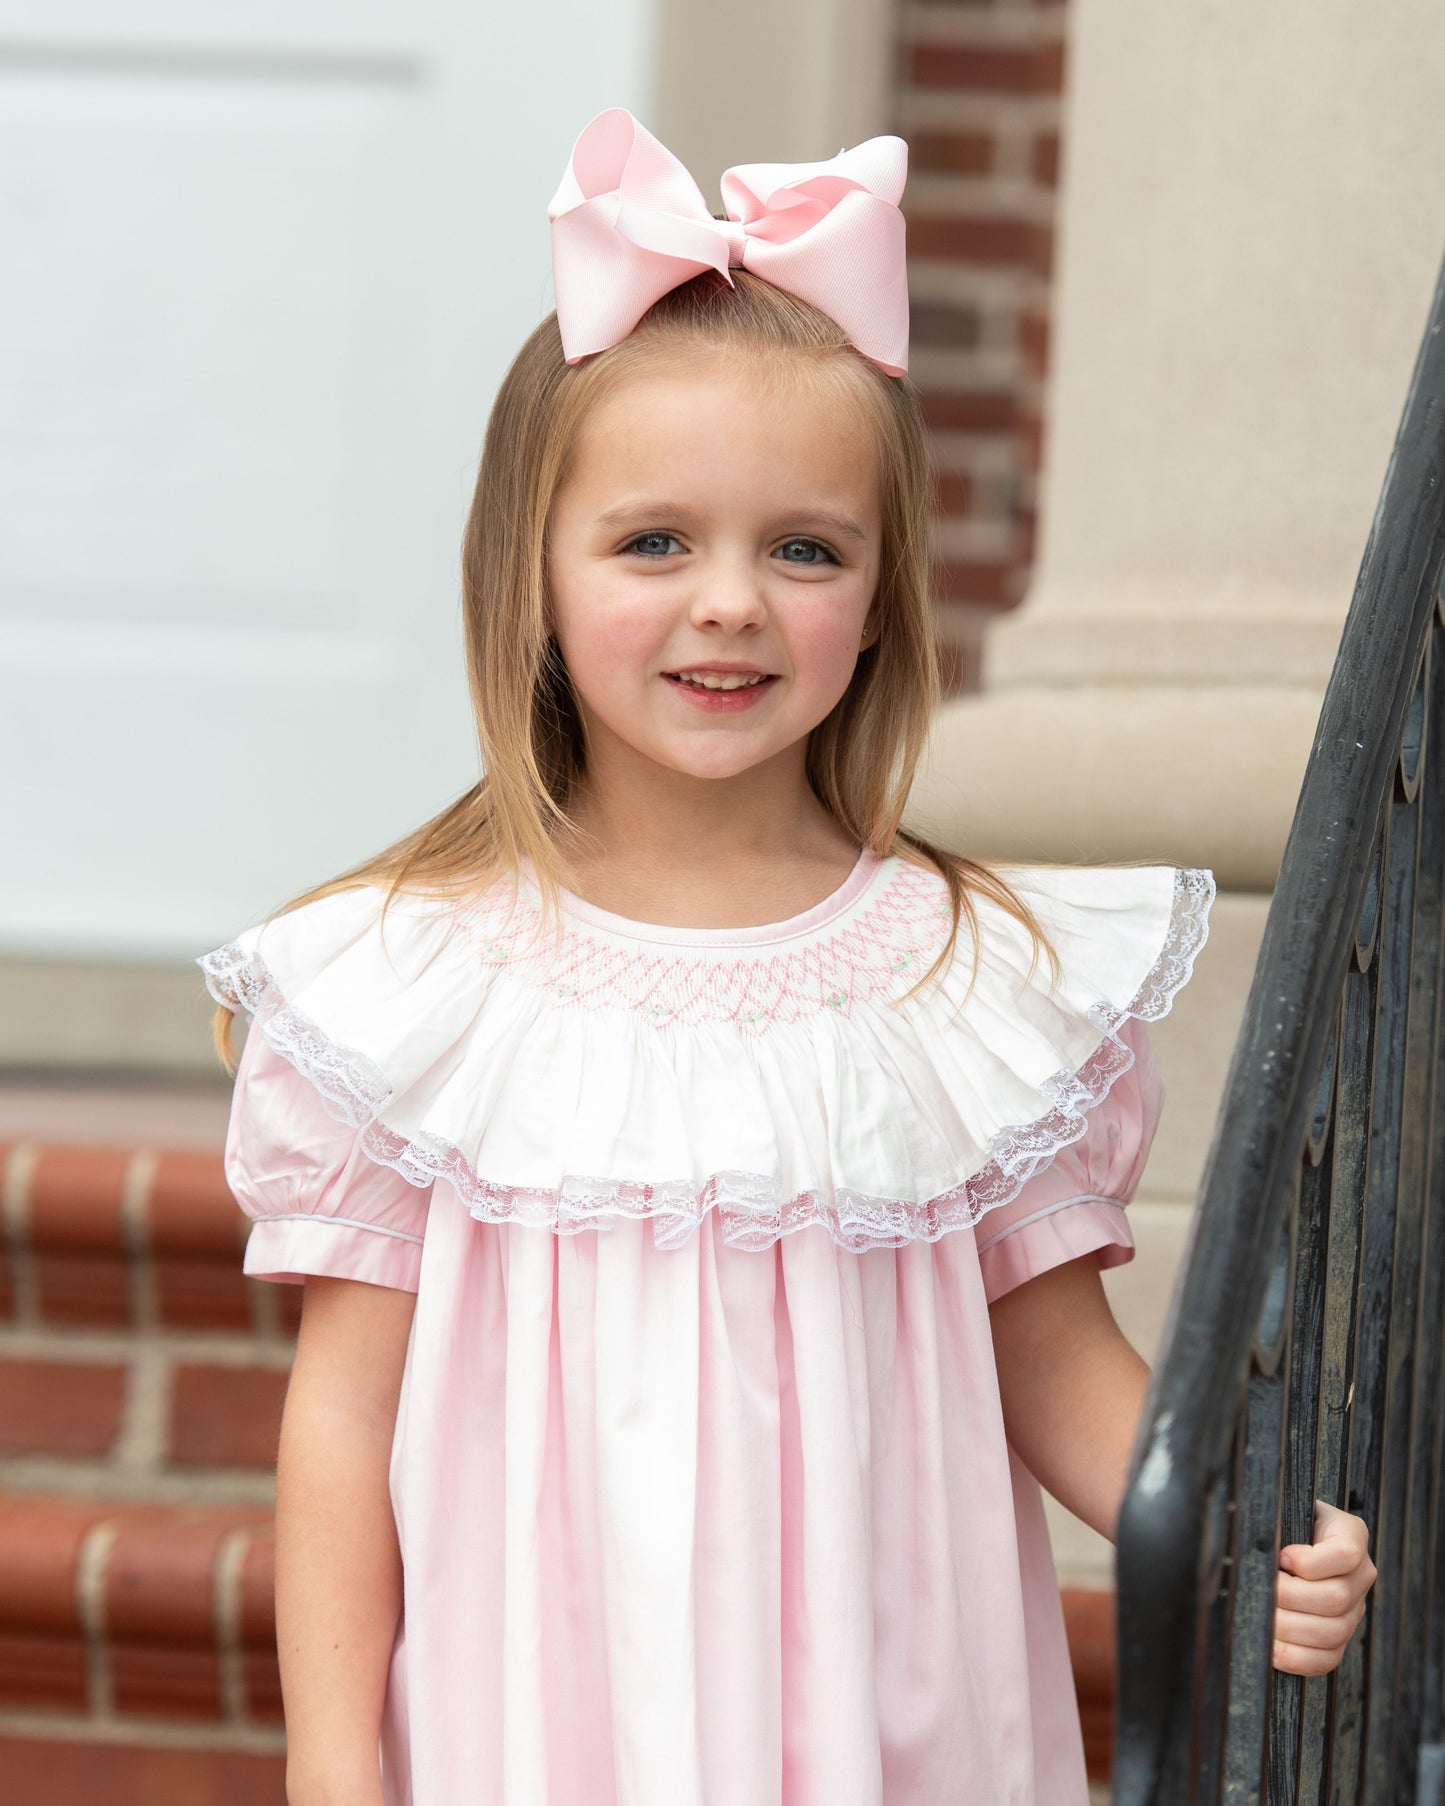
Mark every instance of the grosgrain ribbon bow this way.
pixel 629 223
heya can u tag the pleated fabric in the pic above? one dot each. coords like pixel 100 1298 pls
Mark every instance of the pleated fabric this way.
pixel 700 1526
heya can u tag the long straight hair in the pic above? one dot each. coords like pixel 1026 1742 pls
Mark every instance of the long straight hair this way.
pixel 861 758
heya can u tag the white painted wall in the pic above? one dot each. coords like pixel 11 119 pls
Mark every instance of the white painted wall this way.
pixel 262 267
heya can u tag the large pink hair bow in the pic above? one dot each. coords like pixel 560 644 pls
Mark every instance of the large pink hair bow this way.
pixel 629 223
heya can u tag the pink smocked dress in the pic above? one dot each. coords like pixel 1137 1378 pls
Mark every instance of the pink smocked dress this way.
pixel 699 1470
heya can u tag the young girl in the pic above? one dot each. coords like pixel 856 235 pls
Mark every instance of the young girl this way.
pixel 700 1184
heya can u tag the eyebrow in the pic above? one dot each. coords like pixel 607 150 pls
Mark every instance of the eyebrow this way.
pixel 631 511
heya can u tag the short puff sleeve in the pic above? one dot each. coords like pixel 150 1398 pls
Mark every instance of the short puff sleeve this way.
pixel 320 1205
pixel 1075 1205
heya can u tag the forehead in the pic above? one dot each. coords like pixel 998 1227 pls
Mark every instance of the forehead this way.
pixel 736 428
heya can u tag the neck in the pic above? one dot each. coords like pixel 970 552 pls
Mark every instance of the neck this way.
pixel 682 830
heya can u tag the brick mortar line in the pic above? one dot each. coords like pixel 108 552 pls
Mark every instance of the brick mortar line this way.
pixel 142 1440
pixel 957 453
pixel 998 492
pixel 930 28
pixel 90 1569
pixel 960 623
pixel 970 370
pixel 950 280
pixel 219 1348
pixel 998 330
pixel 15 1204
pixel 56 1476
pixel 1014 160
pixel 69 1727
pixel 973 110
pixel 1014 144
pixel 1013 196
pixel 1004 28
pixel 989 536
pixel 226 1614
pixel 135 1190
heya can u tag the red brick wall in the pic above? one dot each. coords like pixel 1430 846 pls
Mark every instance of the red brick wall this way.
pixel 980 83
pixel 142 1377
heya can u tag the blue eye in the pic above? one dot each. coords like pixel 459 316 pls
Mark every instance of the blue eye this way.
pixel 634 544
pixel 816 544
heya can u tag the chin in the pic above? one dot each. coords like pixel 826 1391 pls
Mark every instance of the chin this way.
pixel 732 767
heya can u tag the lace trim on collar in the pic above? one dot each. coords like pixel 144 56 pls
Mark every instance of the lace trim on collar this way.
pixel 754 1212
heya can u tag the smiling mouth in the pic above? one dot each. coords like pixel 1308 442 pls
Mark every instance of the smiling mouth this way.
pixel 716 683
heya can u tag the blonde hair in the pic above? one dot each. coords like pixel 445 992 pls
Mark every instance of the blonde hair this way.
pixel 860 759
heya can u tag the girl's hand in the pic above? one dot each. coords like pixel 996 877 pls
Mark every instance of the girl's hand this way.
pixel 1320 1598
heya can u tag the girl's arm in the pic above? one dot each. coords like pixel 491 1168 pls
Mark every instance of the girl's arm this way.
pixel 1073 1391
pixel 338 1568
pixel 1072 1388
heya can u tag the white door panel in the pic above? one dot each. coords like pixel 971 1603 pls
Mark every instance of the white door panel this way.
pixel 271 29
pixel 263 268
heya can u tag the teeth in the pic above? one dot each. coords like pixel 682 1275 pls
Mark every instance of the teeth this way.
pixel 720 683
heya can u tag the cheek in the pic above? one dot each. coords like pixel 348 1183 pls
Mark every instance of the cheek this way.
pixel 823 640
pixel 604 628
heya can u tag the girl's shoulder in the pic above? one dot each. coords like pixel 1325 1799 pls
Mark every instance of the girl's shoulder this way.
pixel 565 1069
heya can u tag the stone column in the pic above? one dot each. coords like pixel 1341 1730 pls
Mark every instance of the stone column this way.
pixel 1251 221
pixel 762 82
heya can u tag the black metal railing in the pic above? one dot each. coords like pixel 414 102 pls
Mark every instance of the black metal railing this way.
pixel 1302 1355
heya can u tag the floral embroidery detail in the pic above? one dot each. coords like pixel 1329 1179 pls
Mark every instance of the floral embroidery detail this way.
pixel 880 949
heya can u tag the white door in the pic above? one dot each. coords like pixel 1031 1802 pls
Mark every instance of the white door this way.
pixel 262 266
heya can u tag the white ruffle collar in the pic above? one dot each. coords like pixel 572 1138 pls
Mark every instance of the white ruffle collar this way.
pixel 767 1073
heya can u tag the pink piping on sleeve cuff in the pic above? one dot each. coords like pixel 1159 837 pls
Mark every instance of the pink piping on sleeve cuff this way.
pixel 1060 1232
pixel 288 1248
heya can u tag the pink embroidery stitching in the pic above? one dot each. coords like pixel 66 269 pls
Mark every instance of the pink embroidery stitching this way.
pixel 881 949
pixel 751 1207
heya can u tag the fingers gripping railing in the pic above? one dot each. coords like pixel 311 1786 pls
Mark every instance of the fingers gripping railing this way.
pixel 1302 1356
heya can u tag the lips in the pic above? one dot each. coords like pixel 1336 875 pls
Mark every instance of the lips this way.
pixel 720 680
pixel 738 695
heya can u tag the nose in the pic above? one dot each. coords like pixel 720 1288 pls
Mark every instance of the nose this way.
pixel 729 595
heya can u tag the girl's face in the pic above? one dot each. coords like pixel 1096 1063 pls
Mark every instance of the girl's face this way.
pixel 713 525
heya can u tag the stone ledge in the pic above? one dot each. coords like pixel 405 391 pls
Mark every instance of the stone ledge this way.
pixel 1183 774
pixel 92 1014
pixel 1171 628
